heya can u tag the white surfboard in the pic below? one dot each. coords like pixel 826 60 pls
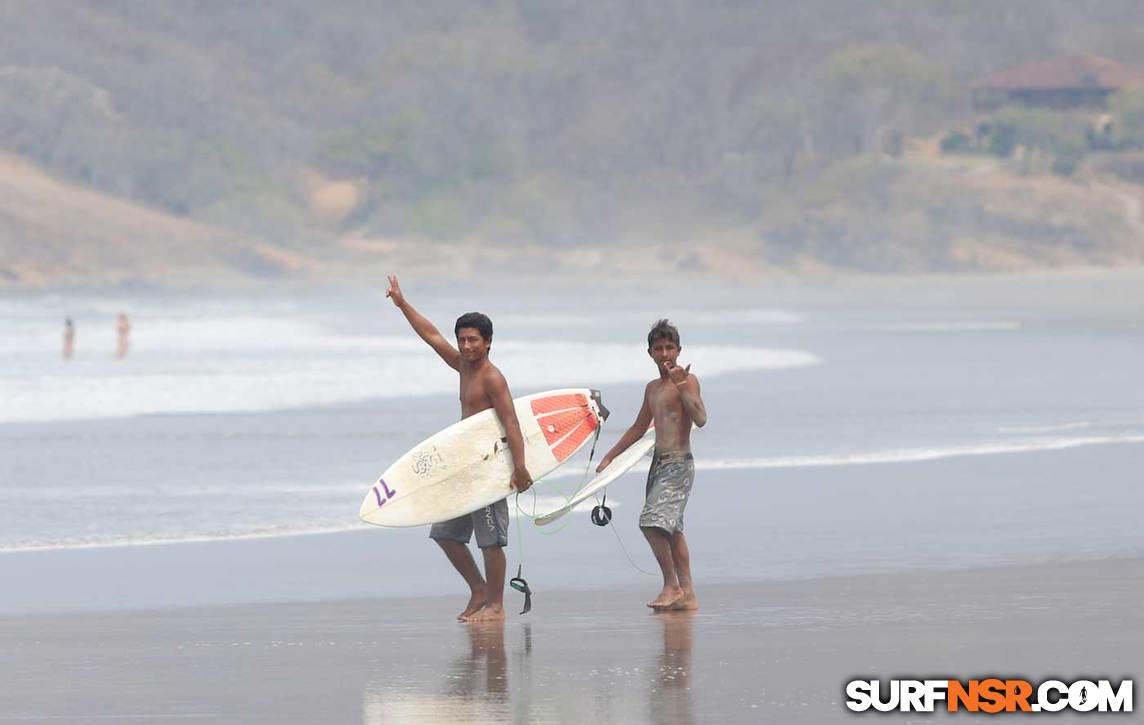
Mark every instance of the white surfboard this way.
pixel 620 465
pixel 468 465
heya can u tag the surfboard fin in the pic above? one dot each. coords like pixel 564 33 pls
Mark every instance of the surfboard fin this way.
pixel 604 412
pixel 602 515
pixel 518 583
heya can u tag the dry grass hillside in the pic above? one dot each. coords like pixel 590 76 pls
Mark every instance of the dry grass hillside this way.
pixel 171 142
pixel 919 213
pixel 57 233
pixel 941 213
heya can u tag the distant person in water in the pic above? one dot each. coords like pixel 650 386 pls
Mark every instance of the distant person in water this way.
pixel 482 387
pixel 122 335
pixel 69 339
pixel 673 401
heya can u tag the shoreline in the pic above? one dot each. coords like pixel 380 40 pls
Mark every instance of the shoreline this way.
pixel 185 566
pixel 1128 558
pixel 762 465
pixel 783 280
pixel 744 525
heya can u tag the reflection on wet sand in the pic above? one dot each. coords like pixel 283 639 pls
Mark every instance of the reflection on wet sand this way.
pixel 522 702
pixel 482 673
pixel 473 685
pixel 476 686
pixel 670 696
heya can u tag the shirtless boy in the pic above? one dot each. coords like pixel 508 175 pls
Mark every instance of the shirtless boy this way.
pixel 672 400
pixel 482 387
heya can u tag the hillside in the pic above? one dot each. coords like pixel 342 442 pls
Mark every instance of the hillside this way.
pixel 292 140
pixel 56 233
pixel 940 213
pixel 873 214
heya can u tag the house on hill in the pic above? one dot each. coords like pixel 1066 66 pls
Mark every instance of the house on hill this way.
pixel 1082 82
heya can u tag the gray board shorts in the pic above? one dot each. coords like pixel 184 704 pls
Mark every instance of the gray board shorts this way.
pixel 668 488
pixel 489 523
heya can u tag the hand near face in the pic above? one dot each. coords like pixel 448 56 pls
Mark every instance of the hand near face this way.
pixel 677 374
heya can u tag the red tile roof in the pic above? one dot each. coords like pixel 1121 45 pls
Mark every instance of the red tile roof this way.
pixel 1070 71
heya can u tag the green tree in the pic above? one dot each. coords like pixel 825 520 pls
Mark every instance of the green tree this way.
pixel 1057 135
pixel 879 92
pixel 1127 106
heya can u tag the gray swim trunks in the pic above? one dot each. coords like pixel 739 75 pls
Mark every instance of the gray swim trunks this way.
pixel 490 524
pixel 668 486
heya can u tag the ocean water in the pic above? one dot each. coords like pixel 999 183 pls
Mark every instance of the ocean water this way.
pixel 270 416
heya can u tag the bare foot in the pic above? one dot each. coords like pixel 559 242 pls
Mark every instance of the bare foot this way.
pixel 476 601
pixel 669 596
pixel 687 603
pixel 487 613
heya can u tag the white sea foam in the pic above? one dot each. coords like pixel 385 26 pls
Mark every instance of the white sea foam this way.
pixel 1054 428
pixel 1102 423
pixel 159 539
pixel 527 508
pixel 739 315
pixel 547 499
pixel 904 455
pixel 254 364
pixel 918 454
pixel 947 326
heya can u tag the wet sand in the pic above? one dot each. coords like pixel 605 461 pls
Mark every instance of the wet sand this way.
pixel 777 651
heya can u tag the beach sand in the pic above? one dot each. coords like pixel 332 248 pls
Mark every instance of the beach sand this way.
pixel 775 651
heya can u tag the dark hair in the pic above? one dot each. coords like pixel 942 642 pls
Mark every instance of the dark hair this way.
pixel 663 330
pixel 481 322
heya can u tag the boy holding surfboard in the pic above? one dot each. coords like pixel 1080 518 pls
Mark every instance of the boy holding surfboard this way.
pixel 673 402
pixel 482 387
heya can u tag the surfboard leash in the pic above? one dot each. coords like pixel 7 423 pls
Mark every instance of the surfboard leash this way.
pixel 619 538
pixel 583 478
pixel 518 582
pixel 601 513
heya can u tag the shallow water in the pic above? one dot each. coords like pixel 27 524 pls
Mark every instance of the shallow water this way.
pixel 272 415
pixel 922 426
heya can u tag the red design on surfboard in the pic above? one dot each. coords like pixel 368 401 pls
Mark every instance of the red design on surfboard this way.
pixel 566 421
